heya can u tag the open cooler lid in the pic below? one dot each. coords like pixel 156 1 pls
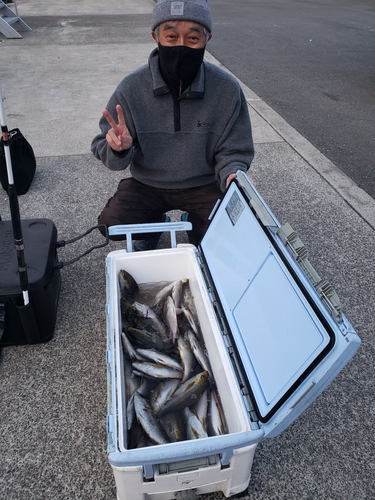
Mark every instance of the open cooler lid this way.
pixel 278 327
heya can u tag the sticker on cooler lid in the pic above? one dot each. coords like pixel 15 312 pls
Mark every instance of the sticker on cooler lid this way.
pixel 234 208
pixel 177 8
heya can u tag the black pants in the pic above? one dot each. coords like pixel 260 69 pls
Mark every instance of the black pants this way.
pixel 137 203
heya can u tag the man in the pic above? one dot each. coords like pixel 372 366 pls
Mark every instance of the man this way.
pixel 181 123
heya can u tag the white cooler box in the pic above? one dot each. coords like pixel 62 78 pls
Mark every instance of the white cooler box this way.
pixel 274 332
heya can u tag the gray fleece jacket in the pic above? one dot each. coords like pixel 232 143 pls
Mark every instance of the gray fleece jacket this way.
pixel 180 142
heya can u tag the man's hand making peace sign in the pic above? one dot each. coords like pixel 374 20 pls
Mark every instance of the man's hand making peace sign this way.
pixel 118 136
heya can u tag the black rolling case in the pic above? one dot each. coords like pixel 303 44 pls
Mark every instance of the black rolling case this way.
pixel 29 268
pixel 35 322
pixel 29 274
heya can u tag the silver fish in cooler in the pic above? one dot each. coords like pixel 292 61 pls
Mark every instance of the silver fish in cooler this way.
pixel 132 381
pixel 177 293
pixel 200 407
pixel 130 412
pixel 165 291
pixel 170 317
pixel 180 387
pixel 129 349
pixel 149 317
pixel 174 426
pixel 137 438
pixel 160 358
pixel 129 288
pixel 162 393
pixel 216 421
pixel 186 393
pixel 145 387
pixel 194 427
pixel 186 356
pixel 200 353
pixel 156 371
pixel 190 318
pixel 147 418
pixel 149 339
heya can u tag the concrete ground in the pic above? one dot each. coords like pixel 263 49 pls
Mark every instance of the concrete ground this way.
pixel 55 81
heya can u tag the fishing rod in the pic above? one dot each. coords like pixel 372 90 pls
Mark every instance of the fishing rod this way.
pixel 14 207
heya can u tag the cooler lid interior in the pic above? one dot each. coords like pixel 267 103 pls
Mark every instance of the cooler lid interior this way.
pixel 279 336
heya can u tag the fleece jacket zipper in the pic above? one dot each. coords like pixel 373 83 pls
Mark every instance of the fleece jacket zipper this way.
pixel 176 114
pixel 176 109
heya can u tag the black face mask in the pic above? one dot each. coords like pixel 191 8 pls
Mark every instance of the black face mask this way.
pixel 180 63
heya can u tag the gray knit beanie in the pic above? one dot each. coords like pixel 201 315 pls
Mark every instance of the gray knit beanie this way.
pixel 184 10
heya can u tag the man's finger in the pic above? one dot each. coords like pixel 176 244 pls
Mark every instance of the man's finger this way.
pixel 107 115
pixel 230 178
pixel 115 140
pixel 120 116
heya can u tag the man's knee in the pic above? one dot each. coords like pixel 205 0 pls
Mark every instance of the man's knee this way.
pixel 104 225
pixel 103 228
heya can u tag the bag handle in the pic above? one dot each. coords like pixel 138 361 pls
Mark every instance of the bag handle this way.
pixel 62 243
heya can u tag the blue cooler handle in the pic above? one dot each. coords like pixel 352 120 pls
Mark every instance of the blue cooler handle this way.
pixel 156 227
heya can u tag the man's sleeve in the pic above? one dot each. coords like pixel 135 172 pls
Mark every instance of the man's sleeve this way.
pixel 235 149
pixel 100 147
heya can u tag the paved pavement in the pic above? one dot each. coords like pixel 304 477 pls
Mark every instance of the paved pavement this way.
pixel 56 80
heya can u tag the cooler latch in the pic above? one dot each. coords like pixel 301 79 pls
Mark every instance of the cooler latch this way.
pixel 187 465
pixel 300 254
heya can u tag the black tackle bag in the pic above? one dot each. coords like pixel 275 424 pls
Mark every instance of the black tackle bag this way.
pixel 23 162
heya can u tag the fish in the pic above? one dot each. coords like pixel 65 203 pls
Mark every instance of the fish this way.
pixel 147 418
pixel 174 426
pixel 163 293
pixel 160 358
pixel 170 317
pixel 130 412
pixel 129 288
pixel 135 315
pixel 148 339
pixel 128 316
pixel 186 393
pixel 199 353
pixel 137 438
pixel 186 356
pixel 194 427
pixel 163 392
pixel 144 387
pixel 142 375
pixel 200 407
pixel 215 421
pixel 167 400
pixel 129 349
pixel 190 319
pixel 132 382
pixel 149 317
pixel 156 371
pixel 187 299
pixel 177 292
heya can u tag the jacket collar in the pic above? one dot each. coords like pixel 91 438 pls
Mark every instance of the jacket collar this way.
pixel 194 91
